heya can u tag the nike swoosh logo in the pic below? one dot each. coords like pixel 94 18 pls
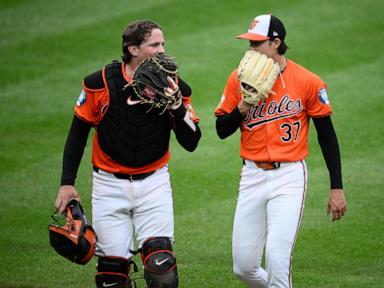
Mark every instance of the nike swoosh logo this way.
pixel 130 101
pixel 109 284
pixel 158 263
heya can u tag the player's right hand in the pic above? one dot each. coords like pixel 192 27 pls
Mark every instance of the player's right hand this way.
pixel 173 91
pixel 64 196
pixel 244 107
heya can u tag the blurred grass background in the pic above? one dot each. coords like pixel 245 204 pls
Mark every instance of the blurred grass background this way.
pixel 47 47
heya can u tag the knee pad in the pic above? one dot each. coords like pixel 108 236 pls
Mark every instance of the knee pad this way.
pixel 113 272
pixel 159 263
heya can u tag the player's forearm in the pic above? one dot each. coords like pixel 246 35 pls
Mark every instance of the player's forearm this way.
pixel 227 124
pixel 188 138
pixel 330 149
pixel 187 132
pixel 73 150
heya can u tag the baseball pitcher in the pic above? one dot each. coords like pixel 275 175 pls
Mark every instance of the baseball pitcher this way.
pixel 272 99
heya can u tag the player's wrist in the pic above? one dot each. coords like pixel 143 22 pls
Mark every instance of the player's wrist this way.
pixel 179 112
pixel 244 107
pixel 177 104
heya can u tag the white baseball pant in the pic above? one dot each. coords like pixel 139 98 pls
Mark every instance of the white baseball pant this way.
pixel 268 213
pixel 122 209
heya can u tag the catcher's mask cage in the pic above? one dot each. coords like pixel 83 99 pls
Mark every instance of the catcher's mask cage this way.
pixel 71 235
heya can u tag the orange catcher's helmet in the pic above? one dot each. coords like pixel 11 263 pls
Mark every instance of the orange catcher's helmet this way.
pixel 71 235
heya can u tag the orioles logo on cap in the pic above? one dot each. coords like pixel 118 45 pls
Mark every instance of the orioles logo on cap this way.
pixel 253 24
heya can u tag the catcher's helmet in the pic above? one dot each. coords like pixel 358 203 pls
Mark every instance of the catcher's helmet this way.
pixel 71 235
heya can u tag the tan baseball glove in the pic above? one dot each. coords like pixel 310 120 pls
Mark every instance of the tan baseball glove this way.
pixel 257 74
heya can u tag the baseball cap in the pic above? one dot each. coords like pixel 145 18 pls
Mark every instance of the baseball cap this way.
pixel 264 27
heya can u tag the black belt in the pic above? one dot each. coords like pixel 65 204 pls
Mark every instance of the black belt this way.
pixel 130 177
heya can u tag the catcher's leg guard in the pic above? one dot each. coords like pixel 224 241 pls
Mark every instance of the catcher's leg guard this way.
pixel 159 263
pixel 113 272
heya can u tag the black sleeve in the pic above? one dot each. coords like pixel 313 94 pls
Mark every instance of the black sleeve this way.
pixel 227 124
pixel 74 149
pixel 185 89
pixel 185 135
pixel 326 136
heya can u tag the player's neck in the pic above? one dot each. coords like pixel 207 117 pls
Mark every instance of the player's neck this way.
pixel 282 61
pixel 129 69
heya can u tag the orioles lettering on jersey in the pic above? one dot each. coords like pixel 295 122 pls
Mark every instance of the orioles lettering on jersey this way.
pixel 261 114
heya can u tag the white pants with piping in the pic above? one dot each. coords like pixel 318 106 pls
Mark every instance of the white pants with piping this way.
pixel 268 213
pixel 122 210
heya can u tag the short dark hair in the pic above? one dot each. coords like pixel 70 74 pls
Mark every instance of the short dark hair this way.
pixel 135 34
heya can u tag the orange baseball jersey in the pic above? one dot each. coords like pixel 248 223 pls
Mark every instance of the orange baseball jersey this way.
pixel 92 106
pixel 276 129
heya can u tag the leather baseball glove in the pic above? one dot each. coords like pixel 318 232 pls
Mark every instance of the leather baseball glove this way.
pixel 155 82
pixel 257 74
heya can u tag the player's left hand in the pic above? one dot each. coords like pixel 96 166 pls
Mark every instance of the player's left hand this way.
pixel 336 204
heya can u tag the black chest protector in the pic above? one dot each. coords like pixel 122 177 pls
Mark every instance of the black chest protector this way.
pixel 128 133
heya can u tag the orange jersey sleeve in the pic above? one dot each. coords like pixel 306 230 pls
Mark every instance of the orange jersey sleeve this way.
pixel 276 129
pixel 92 104
pixel 231 96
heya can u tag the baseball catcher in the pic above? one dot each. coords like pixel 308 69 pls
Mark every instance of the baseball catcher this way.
pixel 71 235
pixel 257 74
pixel 134 106
pixel 154 82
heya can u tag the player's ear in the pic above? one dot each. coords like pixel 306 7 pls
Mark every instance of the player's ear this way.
pixel 276 43
pixel 133 49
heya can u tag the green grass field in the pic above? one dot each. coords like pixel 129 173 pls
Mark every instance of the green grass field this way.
pixel 48 46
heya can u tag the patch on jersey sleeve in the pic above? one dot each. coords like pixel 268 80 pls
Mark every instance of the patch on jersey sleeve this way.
pixel 222 99
pixel 82 98
pixel 323 96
